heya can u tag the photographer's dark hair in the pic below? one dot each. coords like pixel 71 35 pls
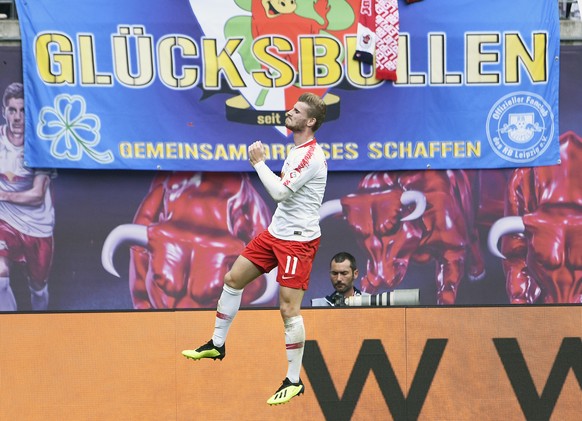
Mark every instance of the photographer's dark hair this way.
pixel 341 256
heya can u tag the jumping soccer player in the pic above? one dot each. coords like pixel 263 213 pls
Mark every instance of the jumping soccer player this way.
pixel 289 243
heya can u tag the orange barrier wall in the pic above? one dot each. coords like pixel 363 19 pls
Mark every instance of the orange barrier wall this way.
pixel 494 363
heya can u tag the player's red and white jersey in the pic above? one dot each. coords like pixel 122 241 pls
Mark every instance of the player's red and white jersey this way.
pixel 36 221
pixel 305 172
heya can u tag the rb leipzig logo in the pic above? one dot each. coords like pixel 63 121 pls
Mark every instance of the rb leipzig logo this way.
pixel 520 127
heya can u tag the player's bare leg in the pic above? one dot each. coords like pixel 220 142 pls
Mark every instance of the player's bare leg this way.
pixel 7 300
pixel 241 274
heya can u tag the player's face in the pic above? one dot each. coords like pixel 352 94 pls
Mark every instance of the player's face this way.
pixel 13 112
pixel 342 276
pixel 297 117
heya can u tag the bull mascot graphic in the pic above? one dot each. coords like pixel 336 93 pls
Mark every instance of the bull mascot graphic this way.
pixel 423 216
pixel 288 20
pixel 541 232
pixel 186 234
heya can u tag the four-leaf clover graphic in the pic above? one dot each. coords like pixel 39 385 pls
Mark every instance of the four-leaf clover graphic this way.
pixel 71 130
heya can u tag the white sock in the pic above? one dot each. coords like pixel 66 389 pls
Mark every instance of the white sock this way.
pixel 294 342
pixel 39 299
pixel 228 306
pixel 7 300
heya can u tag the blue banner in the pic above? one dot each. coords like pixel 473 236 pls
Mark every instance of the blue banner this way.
pixel 188 85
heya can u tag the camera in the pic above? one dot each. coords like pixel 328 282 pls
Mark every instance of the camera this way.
pixel 399 297
pixel 339 300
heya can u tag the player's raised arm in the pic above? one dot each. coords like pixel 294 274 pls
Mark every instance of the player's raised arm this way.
pixel 270 180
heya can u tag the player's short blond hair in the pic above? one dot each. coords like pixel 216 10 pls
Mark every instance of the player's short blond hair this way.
pixel 317 108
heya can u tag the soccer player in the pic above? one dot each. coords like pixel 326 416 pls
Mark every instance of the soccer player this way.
pixel 289 243
pixel 26 210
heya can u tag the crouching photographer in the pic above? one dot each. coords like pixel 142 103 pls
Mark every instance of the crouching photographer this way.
pixel 343 272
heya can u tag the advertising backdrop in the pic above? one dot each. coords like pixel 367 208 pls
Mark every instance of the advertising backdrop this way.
pixel 186 86
pixel 90 205
pixel 450 364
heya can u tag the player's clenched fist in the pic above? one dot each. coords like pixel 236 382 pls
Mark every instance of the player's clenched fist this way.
pixel 256 152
